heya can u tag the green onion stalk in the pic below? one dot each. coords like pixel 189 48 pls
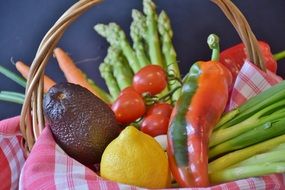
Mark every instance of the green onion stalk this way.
pixel 262 112
pixel 260 133
pixel 13 76
pixel 237 156
pixel 14 97
pixel 241 172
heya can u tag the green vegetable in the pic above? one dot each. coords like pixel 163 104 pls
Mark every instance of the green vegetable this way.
pixel 117 38
pixel 235 157
pixel 153 41
pixel 104 95
pixel 138 34
pixel 268 157
pixel 13 76
pixel 266 107
pixel 280 55
pixel 166 34
pixel 106 71
pixel 121 71
pixel 258 134
pixel 14 97
pixel 232 174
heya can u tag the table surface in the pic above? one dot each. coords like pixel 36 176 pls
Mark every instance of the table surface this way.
pixel 24 23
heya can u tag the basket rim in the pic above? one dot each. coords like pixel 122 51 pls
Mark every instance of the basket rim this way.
pixel 32 119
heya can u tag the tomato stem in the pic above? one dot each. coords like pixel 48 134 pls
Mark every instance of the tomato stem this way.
pixel 150 100
pixel 169 94
pixel 213 42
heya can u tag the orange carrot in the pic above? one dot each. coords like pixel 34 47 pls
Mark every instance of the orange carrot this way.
pixel 24 70
pixel 74 75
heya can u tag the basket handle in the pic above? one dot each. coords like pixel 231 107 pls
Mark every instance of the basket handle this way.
pixel 32 118
pixel 242 27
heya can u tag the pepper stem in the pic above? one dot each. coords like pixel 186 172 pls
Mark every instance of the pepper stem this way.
pixel 280 55
pixel 213 42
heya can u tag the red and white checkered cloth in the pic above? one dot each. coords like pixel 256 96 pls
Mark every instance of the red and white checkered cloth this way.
pixel 48 166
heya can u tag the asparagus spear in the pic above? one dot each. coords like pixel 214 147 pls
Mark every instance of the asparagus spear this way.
pixel 166 34
pixel 152 33
pixel 117 38
pixel 152 39
pixel 106 71
pixel 121 71
pixel 138 34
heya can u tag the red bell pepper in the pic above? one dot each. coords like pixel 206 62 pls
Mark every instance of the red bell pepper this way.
pixel 203 99
pixel 233 58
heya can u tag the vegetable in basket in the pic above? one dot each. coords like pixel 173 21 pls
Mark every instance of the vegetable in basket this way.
pixel 24 70
pixel 117 38
pixel 138 31
pixel 81 123
pixel 74 75
pixel 203 99
pixel 260 118
pixel 10 96
pixel 252 161
pixel 233 58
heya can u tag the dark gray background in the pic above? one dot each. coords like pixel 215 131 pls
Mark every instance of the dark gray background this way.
pixel 24 23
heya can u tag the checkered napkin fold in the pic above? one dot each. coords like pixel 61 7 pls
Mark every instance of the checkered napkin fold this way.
pixel 49 167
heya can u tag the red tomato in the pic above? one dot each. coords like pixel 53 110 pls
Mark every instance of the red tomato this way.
pixel 128 107
pixel 128 89
pixel 160 108
pixel 150 79
pixel 155 125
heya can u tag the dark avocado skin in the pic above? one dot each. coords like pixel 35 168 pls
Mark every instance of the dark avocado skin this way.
pixel 81 123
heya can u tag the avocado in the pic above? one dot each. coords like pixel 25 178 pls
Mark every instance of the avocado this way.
pixel 81 123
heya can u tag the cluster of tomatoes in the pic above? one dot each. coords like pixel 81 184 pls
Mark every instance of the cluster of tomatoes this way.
pixel 130 106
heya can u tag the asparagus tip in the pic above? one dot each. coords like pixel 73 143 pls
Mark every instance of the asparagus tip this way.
pixel 148 7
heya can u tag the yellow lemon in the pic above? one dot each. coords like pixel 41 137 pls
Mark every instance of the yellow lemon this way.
pixel 137 159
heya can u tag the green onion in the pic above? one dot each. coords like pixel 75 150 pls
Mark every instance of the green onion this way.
pixel 13 76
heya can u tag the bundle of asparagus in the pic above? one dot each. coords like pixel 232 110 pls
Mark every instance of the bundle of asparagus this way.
pixel 152 44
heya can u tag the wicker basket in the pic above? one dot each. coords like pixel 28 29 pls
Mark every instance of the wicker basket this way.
pixel 32 118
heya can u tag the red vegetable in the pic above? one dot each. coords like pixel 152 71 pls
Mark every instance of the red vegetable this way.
pixel 233 58
pixel 155 125
pixel 127 90
pixel 128 107
pixel 203 99
pixel 160 108
pixel 150 79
